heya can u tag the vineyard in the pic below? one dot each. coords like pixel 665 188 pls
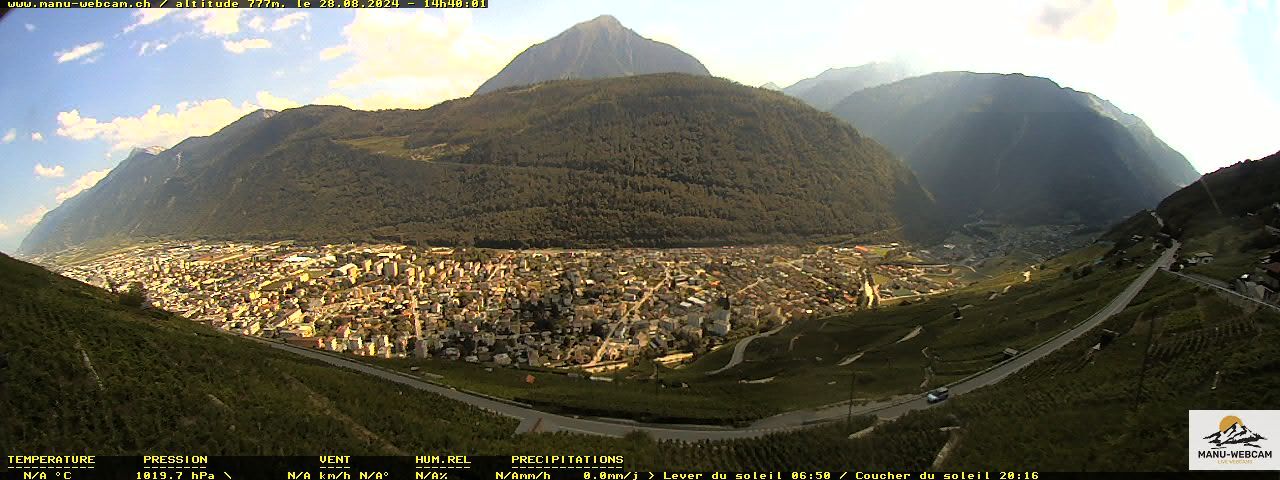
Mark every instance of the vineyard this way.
pixel 1082 408
pixel 84 374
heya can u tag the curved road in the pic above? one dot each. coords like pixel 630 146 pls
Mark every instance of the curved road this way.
pixel 740 348
pixel 786 421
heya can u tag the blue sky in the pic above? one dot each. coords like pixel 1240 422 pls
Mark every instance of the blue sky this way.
pixel 82 87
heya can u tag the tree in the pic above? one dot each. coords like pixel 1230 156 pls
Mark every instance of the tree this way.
pixel 134 296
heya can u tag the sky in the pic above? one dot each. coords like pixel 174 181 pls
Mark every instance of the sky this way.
pixel 81 88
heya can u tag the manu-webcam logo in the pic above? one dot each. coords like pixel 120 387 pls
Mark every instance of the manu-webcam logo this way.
pixel 1222 440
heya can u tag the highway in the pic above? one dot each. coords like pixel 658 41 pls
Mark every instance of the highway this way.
pixel 782 422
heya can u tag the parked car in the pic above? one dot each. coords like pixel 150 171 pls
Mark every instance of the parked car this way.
pixel 937 395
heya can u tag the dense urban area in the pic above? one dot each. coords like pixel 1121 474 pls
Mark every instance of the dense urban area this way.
pixel 594 309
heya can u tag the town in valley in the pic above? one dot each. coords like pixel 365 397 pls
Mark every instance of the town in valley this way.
pixel 591 309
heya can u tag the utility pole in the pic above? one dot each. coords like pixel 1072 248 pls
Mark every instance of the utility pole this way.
pixel 848 421
pixel 1146 360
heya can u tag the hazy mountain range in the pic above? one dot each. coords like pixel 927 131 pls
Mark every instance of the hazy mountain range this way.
pixel 619 158
pixel 1017 148
pixel 828 88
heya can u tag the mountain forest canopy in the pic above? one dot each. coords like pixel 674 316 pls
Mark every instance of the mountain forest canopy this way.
pixel 655 160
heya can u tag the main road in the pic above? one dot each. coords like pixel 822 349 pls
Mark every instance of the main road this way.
pixel 786 421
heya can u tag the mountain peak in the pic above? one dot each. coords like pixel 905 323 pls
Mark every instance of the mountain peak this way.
pixel 152 150
pixel 604 21
pixel 598 48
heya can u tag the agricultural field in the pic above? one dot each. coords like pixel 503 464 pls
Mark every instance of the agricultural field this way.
pixel 85 374
pixel 1080 408
pixel 1236 245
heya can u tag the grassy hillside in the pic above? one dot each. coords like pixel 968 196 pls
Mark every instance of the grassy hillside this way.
pixel 651 160
pixel 1245 188
pixel 1226 213
pixel 1079 409
pixel 82 373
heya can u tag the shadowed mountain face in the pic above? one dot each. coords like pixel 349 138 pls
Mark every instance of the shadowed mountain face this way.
pixel 828 88
pixel 1019 149
pixel 1243 189
pixel 600 48
pixel 652 160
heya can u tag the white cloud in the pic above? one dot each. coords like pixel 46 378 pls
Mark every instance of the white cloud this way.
pixel 81 184
pixel 9 136
pixel 241 46
pixel 49 172
pixel 287 21
pixel 152 47
pixel 386 47
pixel 1093 20
pixel 147 16
pixel 217 21
pixel 271 102
pixel 33 217
pixel 37 137
pixel 29 27
pixel 334 52
pixel 164 129
pixel 78 52
pixel 257 23
pixel 3 228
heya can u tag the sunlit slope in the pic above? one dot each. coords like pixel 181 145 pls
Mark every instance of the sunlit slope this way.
pixel 599 48
pixel 84 374
pixel 651 160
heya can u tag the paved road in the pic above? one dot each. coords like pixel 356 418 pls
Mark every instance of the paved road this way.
pixel 786 421
pixel 604 344
pixel 1222 287
pixel 740 348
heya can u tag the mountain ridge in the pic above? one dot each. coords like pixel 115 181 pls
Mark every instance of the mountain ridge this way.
pixel 828 88
pixel 595 49
pixel 654 160
pixel 1019 149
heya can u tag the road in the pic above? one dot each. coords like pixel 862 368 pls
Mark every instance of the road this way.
pixel 782 422
pixel 991 376
pixel 741 348
pixel 1222 287
pixel 604 344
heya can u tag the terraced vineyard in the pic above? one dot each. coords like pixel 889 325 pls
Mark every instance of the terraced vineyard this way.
pixel 1080 408
pixel 82 373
